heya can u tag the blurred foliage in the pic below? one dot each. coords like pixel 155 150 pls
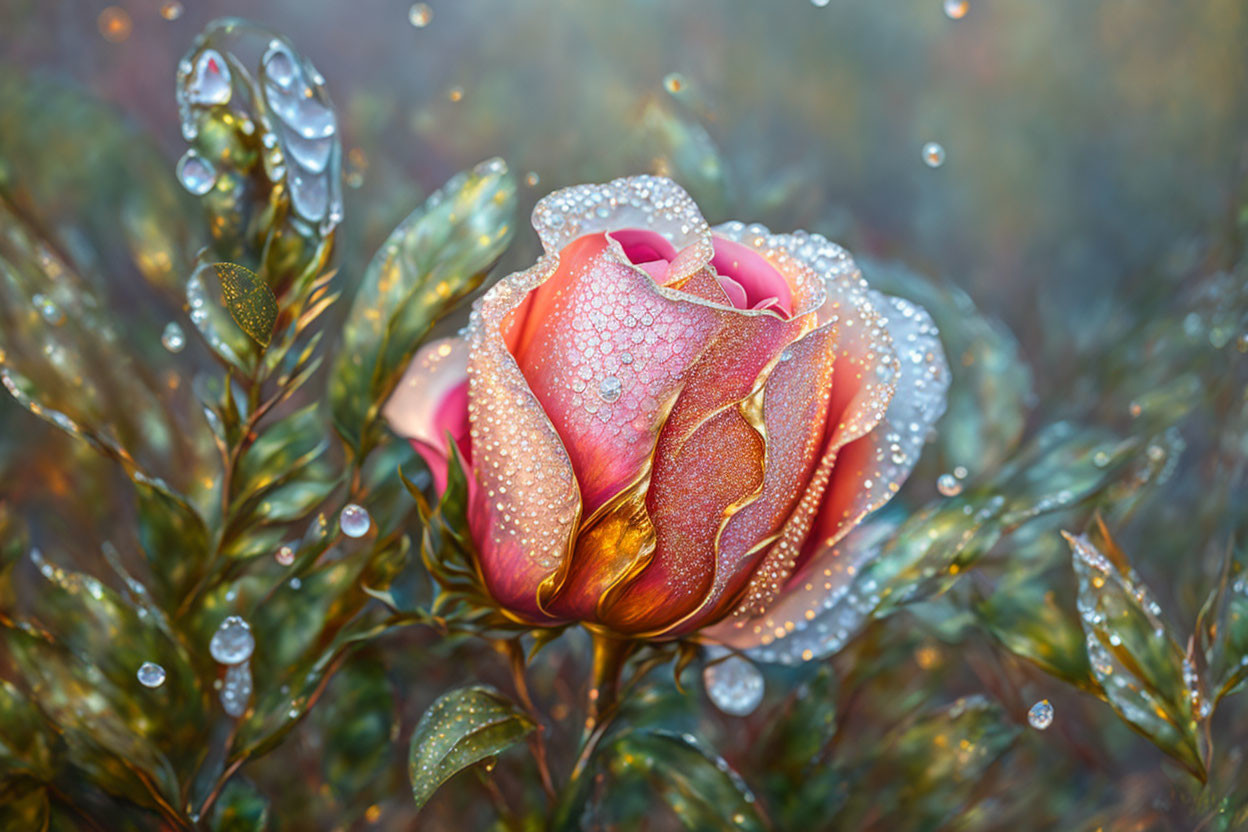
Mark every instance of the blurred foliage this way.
pixel 1101 393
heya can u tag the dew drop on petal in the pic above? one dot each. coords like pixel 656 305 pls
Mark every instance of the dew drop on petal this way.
pixel 196 173
pixel 151 675
pixel 1041 715
pixel 933 154
pixel 233 642
pixel 173 338
pixel 610 388
pixel 420 15
pixel 354 520
pixel 948 485
pixel 734 685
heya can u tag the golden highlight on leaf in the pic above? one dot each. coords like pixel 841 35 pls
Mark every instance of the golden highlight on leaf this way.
pixel 251 302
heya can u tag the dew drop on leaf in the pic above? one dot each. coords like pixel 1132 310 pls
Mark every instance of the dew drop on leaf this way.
pixel 354 520
pixel 233 642
pixel 151 675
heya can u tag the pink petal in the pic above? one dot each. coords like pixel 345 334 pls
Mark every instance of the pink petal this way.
pixel 606 353
pixel 526 505
pixel 430 401
pixel 753 274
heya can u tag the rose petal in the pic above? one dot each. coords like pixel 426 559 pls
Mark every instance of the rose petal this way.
pixel 430 401
pixel 606 353
pixel 760 282
pixel 803 623
pixel 526 503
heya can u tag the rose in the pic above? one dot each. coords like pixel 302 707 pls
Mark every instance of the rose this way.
pixel 668 426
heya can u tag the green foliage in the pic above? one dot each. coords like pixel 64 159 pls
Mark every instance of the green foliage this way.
pixel 462 728
pixel 250 301
pixel 430 262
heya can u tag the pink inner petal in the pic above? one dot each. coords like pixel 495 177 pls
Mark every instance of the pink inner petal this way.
pixel 764 286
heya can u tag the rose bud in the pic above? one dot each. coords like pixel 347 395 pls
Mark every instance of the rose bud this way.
pixel 669 426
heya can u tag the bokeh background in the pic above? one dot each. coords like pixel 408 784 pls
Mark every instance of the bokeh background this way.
pixel 1093 150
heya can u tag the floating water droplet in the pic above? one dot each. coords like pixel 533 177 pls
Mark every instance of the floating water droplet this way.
pixel 420 15
pixel 1041 715
pixel 285 555
pixel 674 82
pixel 354 520
pixel 151 675
pixel 171 10
pixel 114 23
pixel 734 685
pixel 610 388
pixel 173 338
pixel 196 173
pixel 532 179
pixel 948 485
pixel 236 692
pixel 956 9
pixel 48 310
pixel 296 584
pixel 455 93
pixel 210 82
pixel 933 154
pixel 819 4
pixel 233 642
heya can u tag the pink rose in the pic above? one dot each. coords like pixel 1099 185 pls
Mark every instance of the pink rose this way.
pixel 671 426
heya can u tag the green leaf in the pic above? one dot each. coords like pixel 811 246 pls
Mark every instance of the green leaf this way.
pixel 249 299
pixel 1222 627
pixel 698 785
pixel 1138 663
pixel 460 729
pixel 359 724
pixel 1025 614
pixel 926 771
pixel 96 719
pixel 429 263
pixel 26 746
pixel 26 811
pixel 240 808
pixel 116 638
pixel 174 537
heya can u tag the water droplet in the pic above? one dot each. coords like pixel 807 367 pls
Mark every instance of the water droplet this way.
pixel 114 23
pixel 196 173
pixel 151 675
pixel 933 154
pixel 948 485
pixel 610 388
pixel 49 310
pixel 420 15
pixel 532 179
pixel 455 93
pixel 819 4
pixel 285 555
pixel 171 10
pixel 956 9
pixel 734 685
pixel 233 642
pixel 354 520
pixel 1041 715
pixel 674 82
pixel 210 83
pixel 279 66
pixel 296 584
pixel 236 692
pixel 173 338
